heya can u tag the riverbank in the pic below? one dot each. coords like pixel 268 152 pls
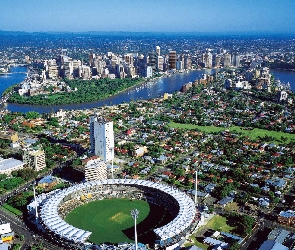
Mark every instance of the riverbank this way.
pixel 155 88
pixel 65 98
pixel 81 91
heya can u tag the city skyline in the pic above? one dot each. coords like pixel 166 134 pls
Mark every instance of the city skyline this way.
pixel 227 16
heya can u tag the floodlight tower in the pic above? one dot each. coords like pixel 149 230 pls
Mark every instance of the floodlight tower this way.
pixel 113 154
pixel 36 206
pixel 134 214
pixel 196 188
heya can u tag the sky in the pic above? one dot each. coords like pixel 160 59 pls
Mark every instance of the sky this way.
pixel 208 16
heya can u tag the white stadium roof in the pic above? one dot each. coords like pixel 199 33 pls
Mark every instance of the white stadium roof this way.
pixel 52 220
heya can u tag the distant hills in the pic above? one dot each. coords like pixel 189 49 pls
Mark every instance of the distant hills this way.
pixel 147 34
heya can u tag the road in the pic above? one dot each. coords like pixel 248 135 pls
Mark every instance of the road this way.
pixel 20 228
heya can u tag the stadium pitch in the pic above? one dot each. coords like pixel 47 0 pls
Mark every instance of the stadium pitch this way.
pixel 110 220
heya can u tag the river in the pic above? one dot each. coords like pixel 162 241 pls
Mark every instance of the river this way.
pixel 144 91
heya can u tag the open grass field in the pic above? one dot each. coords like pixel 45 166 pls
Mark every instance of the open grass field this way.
pixel 110 220
pixel 107 219
pixel 217 223
pixel 253 134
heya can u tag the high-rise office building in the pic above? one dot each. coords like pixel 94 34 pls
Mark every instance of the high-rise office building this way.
pixel 158 50
pixel 102 138
pixel 217 61
pixel 172 59
pixel 236 59
pixel 85 72
pixel 148 72
pixel 160 63
pixel 153 61
pixel 128 58
pixel 91 58
pixel 207 60
pixel 187 61
pixel 179 65
pixel 227 60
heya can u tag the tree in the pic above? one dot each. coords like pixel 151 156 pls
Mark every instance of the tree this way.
pixel 3 177
pixel 235 246
pixel 26 173
pixel 20 200
pixel 246 224
pixel 11 183
pixel 32 115
pixel 7 118
pixel 53 121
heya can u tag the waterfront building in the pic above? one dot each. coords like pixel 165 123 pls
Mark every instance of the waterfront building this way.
pixel 85 72
pixel 34 159
pixel 68 69
pixel 95 169
pixel 27 59
pixel 102 138
pixel 172 59
pixel 52 69
pixel 148 72
pixel 120 70
pixel 217 61
pixel 207 60
pixel 76 65
pixel 179 65
pixel 236 59
pixel 187 61
pixel 160 63
pixel 128 58
pixel 140 63
pixel 94 72
pixel 226 60
pixel 91 58
pixel 282 96
pixel 153 61
pixel 263 81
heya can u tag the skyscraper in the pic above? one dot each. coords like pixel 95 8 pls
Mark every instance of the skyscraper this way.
pixel 208 60
pixel 227 60
pixel 172 59
pixel 217 61
pixel 236 59
pixel 187 61
pixel 102 138
pixel 160 62
pixel 153 61
pixel 158 50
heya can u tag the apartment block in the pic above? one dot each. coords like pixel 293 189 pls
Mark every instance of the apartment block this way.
pixel 95 170
pixel 34 159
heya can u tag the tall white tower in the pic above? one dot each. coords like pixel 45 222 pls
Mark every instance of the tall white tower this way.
pixel 102 138
pixel 158 50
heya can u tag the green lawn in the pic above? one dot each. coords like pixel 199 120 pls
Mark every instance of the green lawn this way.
pixel 11 209
pixel 219 223
pixel 194 242
pixel 253 134
pixel 107 219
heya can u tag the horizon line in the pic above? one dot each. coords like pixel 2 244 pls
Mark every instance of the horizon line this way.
pixel 160 32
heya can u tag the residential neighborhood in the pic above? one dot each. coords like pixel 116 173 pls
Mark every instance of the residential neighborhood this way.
pixel 238 145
